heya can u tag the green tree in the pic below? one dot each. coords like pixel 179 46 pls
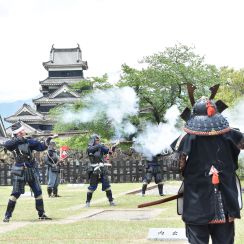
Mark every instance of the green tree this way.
pixel 233 85
pixel 86 86
pixel 159 85
pixel 163 82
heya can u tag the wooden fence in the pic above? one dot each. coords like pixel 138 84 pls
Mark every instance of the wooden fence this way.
pixel 125 168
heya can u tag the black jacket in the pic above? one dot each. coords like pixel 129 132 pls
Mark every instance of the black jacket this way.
pixel 202 152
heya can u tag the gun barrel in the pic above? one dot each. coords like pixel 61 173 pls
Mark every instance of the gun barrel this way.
pixel 68 133
pixel 167 199
pixel 139 190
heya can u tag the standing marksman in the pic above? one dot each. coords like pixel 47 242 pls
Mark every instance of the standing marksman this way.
pixel 97 169
pixel 52 161
pixel 23 170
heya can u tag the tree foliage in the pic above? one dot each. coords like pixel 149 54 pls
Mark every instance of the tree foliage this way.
pixel 160 84
pixel 163 82
pixel 233 85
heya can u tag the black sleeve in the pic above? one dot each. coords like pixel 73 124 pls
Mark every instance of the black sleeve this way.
pixel 13 143
pixel 235 136
pixel 183 143
pixel 238 138
pixel 48 140
pixel 92 149
pixel 10 145
pixel 104 149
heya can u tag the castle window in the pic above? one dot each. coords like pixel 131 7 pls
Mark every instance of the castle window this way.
pixel 66 73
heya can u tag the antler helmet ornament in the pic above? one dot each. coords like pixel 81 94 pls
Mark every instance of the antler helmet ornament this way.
pixel 205 117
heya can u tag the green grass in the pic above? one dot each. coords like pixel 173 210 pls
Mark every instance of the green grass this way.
pixel 88 230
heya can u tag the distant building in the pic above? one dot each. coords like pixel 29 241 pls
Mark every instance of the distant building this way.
pixel 65 67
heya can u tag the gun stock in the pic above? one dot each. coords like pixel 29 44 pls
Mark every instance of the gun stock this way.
pixel 167 199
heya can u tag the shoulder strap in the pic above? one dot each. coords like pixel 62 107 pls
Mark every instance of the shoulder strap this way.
pixel 50 157
pixel 179 141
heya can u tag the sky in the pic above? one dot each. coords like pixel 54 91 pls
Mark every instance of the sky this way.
pixel 110 33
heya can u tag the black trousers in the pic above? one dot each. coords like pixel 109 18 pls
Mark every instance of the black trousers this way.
pixel 219 233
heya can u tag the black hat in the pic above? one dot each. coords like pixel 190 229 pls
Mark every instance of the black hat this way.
pixel 16 127
pixel 206 120
pixel 93 138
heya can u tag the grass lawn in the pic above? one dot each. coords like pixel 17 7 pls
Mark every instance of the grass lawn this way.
pixel 85 230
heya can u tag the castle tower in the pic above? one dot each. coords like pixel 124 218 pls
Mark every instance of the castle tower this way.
pixel 65 67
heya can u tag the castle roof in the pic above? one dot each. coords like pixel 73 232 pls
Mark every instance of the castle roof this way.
pixel 59 81
pixel 62 95
pixel 25 113
pixel 70 57
pixel 65 68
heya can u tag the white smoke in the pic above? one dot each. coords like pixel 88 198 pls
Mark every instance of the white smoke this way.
pixel 156 139
pixel 235 117
pixel 117 104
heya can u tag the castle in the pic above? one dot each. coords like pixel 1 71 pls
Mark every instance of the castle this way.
pixel 64 68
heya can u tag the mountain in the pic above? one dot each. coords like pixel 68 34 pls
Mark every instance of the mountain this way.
pixel 9 108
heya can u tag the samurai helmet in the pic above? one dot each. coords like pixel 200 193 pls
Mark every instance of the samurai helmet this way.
pixel 93 138
pixel 205 117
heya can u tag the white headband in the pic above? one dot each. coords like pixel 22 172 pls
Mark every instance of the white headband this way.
pixel 18 130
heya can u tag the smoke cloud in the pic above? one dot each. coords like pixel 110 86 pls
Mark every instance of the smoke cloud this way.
pixel 235 116
pixel 117 104
pixel 156 139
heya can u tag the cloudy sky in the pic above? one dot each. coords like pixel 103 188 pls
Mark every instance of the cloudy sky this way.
pixel 110 33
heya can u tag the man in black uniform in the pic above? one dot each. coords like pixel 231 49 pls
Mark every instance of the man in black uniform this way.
pixel 23 170
pixel 208 160
pixel 153 169
pixel 97 169
pixel 52 160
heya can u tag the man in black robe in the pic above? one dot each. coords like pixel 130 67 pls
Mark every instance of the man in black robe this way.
pixel 209 152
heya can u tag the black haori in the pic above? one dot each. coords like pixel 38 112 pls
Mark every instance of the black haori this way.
pixel 206 120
